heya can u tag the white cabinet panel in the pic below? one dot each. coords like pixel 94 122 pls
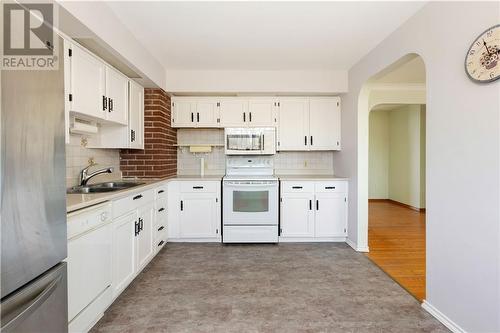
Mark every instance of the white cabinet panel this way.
pixel 261 112
pixel 233 112
pixel 331 209
pixel 136 115
pixel 87 84
pixel 198 215
pixel 124 251
pixel 183 111
pixel 324 123
pixel 117 94
pixel 293 130
pixel 297 215
pixel 206 113
pixel 145 237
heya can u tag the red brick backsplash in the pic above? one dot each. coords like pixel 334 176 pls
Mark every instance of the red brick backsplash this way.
pixel 158 159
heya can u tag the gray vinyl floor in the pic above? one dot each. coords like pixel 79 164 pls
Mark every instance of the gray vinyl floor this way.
pixel 264 288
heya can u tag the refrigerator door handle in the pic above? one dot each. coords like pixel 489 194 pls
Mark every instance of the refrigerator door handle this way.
pixel 23 312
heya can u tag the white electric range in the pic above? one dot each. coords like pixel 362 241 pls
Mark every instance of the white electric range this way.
pixel 250 200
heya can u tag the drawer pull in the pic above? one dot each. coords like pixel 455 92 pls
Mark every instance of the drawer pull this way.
pixel 329 187
pixel 137 197
pixel 197 187
pixel 297 187
pixel 160 191
pixel 310 205
pixel 161 209
pixel 161 228
pixel 161 243
pixel 317 204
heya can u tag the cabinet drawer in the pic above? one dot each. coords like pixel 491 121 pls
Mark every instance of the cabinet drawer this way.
pixel 161 192
pixel 87 219
pixel 161 228
pixel 161 210
pixel 331 187
pixel 131 202
pixel 292 187
pixel 201 187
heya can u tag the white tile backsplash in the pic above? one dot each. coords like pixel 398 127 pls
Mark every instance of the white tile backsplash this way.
pixel 319 163
pixel 77 158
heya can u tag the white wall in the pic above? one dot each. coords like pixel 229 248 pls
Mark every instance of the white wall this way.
pixel 256 82
pixel 463 151
pixel 396 156
pixel 379 155
pixel 404 155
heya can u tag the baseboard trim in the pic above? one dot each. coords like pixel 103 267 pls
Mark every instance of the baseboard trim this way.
pixel 452 326
pixel 311 239
pixel 421 210
pixel 355 246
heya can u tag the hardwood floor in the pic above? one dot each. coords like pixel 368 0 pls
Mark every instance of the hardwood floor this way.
pixel 396 237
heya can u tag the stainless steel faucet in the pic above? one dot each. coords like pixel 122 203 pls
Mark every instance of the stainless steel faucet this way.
pixel 85 177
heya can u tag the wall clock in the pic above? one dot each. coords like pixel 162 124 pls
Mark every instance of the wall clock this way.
pixel 482 62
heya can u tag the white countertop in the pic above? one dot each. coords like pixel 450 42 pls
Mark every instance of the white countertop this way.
pixel 79 201
pixel 311 177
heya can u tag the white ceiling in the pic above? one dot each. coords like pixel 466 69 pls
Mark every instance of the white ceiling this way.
pixel 261 35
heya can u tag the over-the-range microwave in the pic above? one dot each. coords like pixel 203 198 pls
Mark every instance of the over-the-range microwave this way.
pixel 250 141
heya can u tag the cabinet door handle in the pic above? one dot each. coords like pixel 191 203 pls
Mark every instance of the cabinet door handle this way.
pixel 305 140
pixel 161 209
pixel 329 187
pixel 244 117
pixel 104 103
pixel 250 116
pixel 160 191
pixel 310 204
pixel 317 204
pixel 161 243
pixel 182 205
pixel 137 197
pixel 192 117
pixel 198 117
pixel 161 228
pixel 136 228
pixel 197 187
pixel 141 224
pixel 110 102
pixel 311 140
pixel 297 187
pixel 132 135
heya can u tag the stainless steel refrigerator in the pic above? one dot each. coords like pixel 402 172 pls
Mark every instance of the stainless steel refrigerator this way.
pixel 33 202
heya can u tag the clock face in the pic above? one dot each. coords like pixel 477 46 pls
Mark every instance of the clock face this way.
pixel 482 62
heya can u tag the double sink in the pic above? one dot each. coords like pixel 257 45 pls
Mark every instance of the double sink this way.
pixel 102 187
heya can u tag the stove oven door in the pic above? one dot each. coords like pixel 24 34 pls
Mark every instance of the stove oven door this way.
pixel 250 203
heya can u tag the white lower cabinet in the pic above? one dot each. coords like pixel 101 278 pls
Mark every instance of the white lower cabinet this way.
pixel 124 251
pixel 198 215
pixel 194 211
pixel 144 237
pixel 297 215
pixel 313 211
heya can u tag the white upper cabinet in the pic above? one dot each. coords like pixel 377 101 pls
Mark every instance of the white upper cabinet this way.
pixel 88 90
pixel 117 95
pixel 206 113
pixel 195 112
pixel 261 112
pixel 233 112
pixel 309 124
pixel 293 129
pixel 136 115
pixel 324 123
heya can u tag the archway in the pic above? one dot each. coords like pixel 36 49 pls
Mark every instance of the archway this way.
pixel 402 83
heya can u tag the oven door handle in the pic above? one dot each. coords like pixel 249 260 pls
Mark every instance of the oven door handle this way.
pixel 251 184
